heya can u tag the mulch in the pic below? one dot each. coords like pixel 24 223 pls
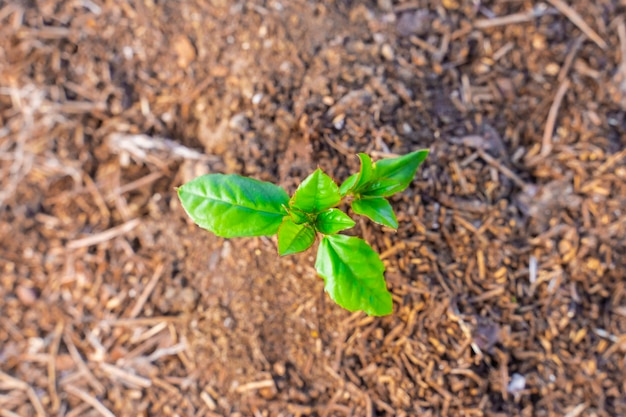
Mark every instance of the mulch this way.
pixel 507 270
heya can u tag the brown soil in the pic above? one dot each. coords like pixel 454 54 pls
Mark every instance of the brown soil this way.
pixel 507 270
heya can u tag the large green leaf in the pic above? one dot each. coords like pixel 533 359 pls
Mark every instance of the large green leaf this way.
pixel 401 169
pixel 316 193
pixel 234 206
pixel 294 238
pixel 353 275
pixel 382 188
pixel 332 221
pixel 376 209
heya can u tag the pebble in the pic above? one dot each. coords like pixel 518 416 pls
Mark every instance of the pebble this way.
pixel 517 384
pixel 385 5
pixel 339 121
pixel 387 52
pixel 26 295
pixel 185 51
pixel 552 68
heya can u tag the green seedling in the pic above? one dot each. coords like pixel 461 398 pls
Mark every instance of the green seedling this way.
pixel 235 206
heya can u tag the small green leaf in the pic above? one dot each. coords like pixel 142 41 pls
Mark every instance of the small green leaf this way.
pixel 348 184
pixel 384 178
pixel 353 275
pixel 316 193
pixel 358 181
pixel 298 216
pixel 401 169
pixel 366 172
pixel 294 238
pixel 332 221
pixel 234 206
pixel 376 209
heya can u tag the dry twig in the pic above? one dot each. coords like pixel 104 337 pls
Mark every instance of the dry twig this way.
pixel 575 18
pixel 569 59
pixel 546 142
pixel 23 386
pixel 92 401
pixel 145 294
pixel 256 385
pixel 107 235
pixel 512 19
pixel 82 366
pixel 52 376
pixel 504 170
pixel 126 377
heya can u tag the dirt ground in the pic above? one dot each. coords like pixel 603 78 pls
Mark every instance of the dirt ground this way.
pixel 507 270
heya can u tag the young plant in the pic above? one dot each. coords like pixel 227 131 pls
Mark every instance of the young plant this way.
pixel 235 206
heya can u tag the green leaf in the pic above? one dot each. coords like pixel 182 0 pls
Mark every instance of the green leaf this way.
pixel 234 206
pixel 332 221
pixel 401 169
pixel 357 181
pixel 298 216
pixel 316 193
pixel 353 275
pixel 348 184
pixel 366 172
pixel 376 209
pixel 382 188
pixel 294 238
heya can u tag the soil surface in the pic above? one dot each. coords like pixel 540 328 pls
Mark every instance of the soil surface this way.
pixel 507 270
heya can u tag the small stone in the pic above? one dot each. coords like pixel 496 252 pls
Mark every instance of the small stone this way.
pixel 414 23
pixel 385 5
pixel 26 295
pixel 239 122
pixel 517 384
pixel 268 393
pixel 539 42
pixel 185 51
pixel 552 68
pixel 339 121
pixel 256 99
pixel 279 368
pixel 450 4
pixel 387 52
pixel 128 52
